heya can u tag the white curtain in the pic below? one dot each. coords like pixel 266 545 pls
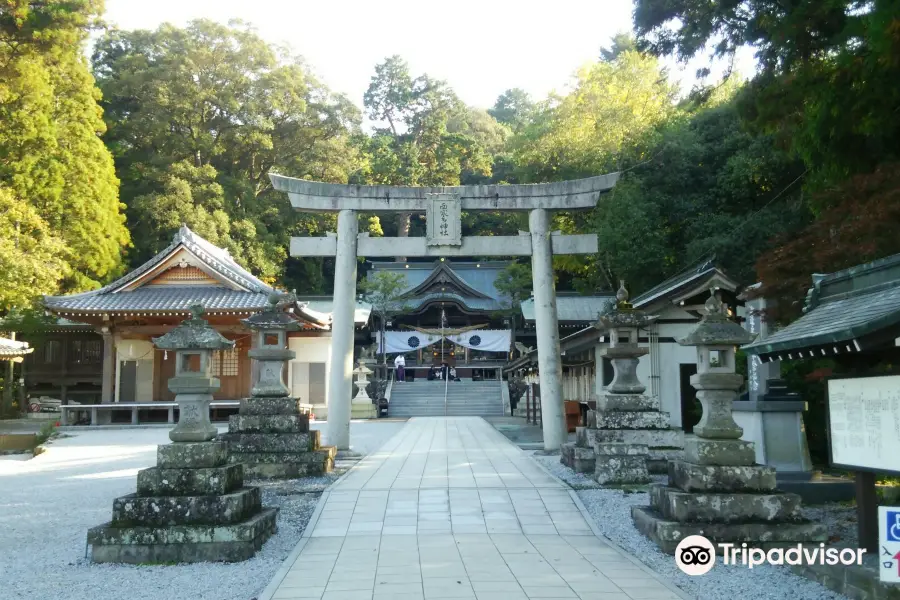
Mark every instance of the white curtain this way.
pixel 405 341
pixel 489 340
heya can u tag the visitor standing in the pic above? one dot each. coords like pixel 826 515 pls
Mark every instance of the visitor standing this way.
pixel 400 366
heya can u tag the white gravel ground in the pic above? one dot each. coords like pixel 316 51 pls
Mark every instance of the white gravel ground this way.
pixel 611 511
pixel 47 504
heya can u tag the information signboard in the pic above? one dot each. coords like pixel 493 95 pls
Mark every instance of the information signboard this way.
pixel 864 423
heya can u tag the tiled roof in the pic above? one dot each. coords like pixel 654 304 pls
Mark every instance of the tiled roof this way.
pixel 153 299
pixel 573 308
pixel 11 348
pixel 479 304
pixel 111 298
pixel 842 307
pixel 681 281
pixel 324 306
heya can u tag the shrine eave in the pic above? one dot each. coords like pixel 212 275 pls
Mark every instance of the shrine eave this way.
pixel 559 195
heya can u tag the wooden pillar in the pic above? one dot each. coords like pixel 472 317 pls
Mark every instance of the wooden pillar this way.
pixel 108 378
pixel 866 512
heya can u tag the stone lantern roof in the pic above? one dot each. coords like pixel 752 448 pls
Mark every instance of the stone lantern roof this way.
pixel 715 329
pixel 273 317
pixel 624 315
pixel 193 334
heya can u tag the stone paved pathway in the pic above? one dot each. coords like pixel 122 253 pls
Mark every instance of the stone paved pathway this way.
pixel 449 508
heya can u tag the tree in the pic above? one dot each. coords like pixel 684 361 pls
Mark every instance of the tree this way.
pixel 514 284
pixel 198 117
pixel 384 291
pixel 859 226
pixel 425 136
pixel 621 42
pixel 52 158
pixel 514 108
pixel 607 117
pixel 826 76
pixel 33 259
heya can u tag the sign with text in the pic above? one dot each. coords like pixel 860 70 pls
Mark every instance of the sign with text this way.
pixel 889 543
pixel 864 423
pixel 443 220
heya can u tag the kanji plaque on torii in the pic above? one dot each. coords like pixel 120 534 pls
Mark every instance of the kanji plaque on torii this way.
pixel 443 220
pixel 443 207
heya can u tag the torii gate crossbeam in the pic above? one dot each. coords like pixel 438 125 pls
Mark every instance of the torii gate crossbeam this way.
pixel 442 206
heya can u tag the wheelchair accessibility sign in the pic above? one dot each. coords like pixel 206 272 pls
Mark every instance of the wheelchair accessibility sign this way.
pixel 889 543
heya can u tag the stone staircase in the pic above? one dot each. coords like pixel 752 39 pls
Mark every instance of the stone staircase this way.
pixel 465 398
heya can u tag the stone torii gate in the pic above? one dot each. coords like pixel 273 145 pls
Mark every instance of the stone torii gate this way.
pixel 443 206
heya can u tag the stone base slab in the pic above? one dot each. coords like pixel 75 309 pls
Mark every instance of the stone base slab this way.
pixel 181 543
pixel 164 511
pixel 271 465
pixel 719 452
pixel 271 406
pixel 632 420
pixel 272 442
pixel 189 482
pixel 681 506
pixel 363 411
pixel 268 423
pixel 652 438
pixel 627 402
pixel 690 477
pixel 580 460
pixel 193 455
pixel 667 533
pixel 620 464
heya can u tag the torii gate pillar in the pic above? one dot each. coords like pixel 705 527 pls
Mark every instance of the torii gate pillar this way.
pixel 553 420
pixel 443 205
pixel 340 390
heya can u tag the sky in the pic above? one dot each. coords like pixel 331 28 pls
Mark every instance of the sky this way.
pixel 480 48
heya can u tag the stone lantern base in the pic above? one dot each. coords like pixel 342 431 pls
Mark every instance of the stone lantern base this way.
pixel 726 504
pixel 191 507
pixel 624 420
pixel 271 438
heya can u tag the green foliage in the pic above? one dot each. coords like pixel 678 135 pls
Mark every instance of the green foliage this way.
pixel 384 291
pixel 609 115
pixel 514 284
pixel 33 259
pixel 54 167
pixel 827 71
pixel 198 117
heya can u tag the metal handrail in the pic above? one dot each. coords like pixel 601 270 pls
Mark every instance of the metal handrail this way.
pixel 446 386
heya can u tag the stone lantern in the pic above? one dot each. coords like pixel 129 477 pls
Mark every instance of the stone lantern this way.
pixel 270 436
pixel 270 329
pixel 718 491
pixel 193 505
pixel 193 342
pixel 623 324
pixel 362 407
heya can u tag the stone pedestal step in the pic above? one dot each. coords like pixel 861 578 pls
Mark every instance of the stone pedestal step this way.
pixel 234 507
pixel 689 477
pixel 724 507
pixel 272 442
pixel 189 482
pixel 284 405
pixel 181 543
pixel 668 533
pixel 268 424
pixel 632 420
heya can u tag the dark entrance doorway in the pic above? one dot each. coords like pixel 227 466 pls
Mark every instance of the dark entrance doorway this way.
pixel 128 381
pixel 691 410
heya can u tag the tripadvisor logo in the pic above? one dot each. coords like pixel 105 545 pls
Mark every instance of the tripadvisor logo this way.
pixel 696 555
